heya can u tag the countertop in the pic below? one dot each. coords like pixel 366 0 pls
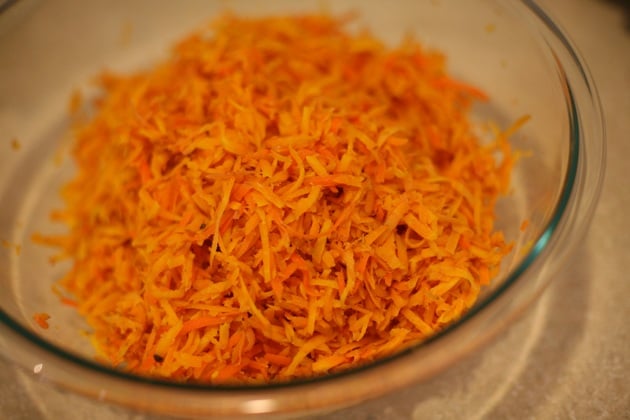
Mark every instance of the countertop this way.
pixel 569 356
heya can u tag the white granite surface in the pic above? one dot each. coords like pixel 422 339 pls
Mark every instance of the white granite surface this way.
pixel 569 357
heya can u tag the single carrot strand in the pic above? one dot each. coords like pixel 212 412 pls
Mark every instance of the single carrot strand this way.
pixel 42 320
pixel 201 322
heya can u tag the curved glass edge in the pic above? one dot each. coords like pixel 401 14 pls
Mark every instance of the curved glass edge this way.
pixel 6 5
pixel 571 182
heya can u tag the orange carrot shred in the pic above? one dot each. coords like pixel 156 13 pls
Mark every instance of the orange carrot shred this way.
pixel 201 322
pixel 68 301
pixel 524 225
pixel 279 199
pixel 42 320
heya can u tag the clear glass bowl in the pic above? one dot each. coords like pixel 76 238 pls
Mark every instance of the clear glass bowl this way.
pixel 512 50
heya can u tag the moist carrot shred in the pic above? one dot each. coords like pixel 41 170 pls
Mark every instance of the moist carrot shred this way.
pixel 68 301
pixel 524 225
pixel 42 320
pixel 279 199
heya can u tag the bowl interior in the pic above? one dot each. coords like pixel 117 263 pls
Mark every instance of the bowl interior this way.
pixel 490 44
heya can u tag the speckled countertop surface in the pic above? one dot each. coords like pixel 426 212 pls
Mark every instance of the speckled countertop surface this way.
pixel 569 357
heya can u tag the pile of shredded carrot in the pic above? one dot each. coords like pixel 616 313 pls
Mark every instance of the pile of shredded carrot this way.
pixel 279 199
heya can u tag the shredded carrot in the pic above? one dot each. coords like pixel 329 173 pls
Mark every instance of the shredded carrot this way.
pixel 42 320
pixel 279 199
pixel 524 225
pixel 68 301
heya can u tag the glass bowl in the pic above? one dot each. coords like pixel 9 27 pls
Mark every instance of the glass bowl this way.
pixel 511 50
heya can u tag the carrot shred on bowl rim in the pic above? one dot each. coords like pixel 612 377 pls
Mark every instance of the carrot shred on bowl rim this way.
pixel 279 199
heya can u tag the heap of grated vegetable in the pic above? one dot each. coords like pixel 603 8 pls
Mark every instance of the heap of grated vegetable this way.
pixel 279 199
